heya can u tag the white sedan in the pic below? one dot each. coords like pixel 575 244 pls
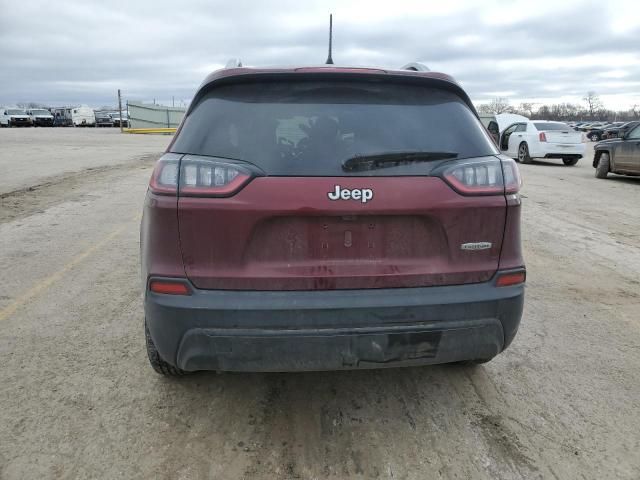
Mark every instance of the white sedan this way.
pixel 524 141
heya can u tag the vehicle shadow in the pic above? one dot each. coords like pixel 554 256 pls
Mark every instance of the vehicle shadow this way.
pixel 548 163
pixel 623 179
pixel 332 423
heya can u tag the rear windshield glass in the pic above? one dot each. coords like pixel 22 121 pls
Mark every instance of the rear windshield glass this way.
pixel 551 126
pixel 310 128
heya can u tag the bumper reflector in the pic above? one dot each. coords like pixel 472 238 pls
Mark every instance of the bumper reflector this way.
pixel 511 278
pixel 169 288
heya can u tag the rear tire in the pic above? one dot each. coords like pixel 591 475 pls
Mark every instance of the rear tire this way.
pixel 523 153
pixel 604 164
pixel 157 363
pixel 570 162
pixel 594 137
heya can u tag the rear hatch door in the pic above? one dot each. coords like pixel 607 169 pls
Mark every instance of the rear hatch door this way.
pixel 301 220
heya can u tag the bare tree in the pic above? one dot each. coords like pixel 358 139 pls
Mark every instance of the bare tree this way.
pixel 526 109
pixel 26 105
pixel 635 111
pixel 593 103
pixel 496 106
pixel 543 113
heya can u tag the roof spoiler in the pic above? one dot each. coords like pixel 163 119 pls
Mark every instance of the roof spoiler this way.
pixel 416 67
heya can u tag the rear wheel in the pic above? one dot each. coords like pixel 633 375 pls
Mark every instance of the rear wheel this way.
pixel 157 363
pixel 602 169
pixel 570 161
pixel 523 153
pixel 594 137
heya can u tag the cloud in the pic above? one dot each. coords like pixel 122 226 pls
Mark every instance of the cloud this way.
pixel 81 52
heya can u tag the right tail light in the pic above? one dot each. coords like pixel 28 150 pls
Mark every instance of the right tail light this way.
pixel 483 177
pixel 511 173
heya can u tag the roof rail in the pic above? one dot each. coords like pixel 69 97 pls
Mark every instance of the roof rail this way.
pixel 416 67
pixel 233 63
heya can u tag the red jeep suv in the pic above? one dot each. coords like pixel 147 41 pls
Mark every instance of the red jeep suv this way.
pixel 323 218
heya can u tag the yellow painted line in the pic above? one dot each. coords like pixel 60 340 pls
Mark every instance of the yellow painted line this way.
pixel 45 283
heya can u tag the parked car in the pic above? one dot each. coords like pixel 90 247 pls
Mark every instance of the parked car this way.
pixel 116 119
pixel 322 218
pixel 618 130
pixel 525 141
pixel 40 117
pixel 14 117
pixel 594 133
pixel 103 120
pixel 579 126
pixel 619 155
pixel 586 127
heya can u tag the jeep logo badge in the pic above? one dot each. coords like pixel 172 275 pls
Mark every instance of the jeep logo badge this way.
pixel 359 194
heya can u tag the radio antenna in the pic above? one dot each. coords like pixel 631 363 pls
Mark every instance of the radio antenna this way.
pixel 329 59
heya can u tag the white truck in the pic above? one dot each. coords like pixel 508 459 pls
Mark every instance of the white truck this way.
pixel 40 117
pixel 14 117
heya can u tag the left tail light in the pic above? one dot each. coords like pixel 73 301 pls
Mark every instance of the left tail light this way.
pixel 198 176
pixel 164 179
pixel 542 137
pixel 205 177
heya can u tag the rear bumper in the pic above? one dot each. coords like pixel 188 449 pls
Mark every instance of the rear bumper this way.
pixel 558 150
pixel 332 330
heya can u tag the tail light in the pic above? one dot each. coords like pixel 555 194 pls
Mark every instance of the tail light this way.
pixel 542 137
pixel 164 179
pixel 483 177
pixel 198 176
pixel 204 177
pixel 512 178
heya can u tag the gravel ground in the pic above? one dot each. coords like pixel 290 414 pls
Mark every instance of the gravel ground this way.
pixel 78 399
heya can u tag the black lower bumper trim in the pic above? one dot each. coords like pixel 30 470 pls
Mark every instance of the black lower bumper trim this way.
pixel 329 330
pixel 337 349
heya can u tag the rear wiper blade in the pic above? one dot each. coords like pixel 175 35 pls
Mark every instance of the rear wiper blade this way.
pixel 393 159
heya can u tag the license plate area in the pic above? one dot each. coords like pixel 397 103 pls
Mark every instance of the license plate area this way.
pixel 347 237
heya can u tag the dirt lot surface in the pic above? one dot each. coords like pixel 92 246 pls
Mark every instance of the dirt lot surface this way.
pixel 78 399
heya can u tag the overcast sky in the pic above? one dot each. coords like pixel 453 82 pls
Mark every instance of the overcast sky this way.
pixel 65 52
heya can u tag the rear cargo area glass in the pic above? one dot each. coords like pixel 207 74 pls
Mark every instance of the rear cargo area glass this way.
pixel 309 128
